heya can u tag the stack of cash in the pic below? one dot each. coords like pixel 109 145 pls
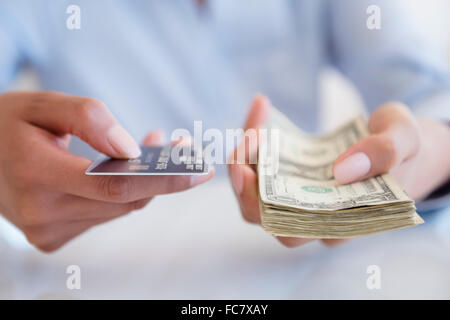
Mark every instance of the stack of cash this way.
pixel 300 198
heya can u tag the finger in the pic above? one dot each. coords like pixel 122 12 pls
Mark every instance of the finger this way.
pixel 292 242
pixel 249 203
pixel 394 139
pixel 87 118
pixel 257 116
pixel 49 238
pixel 259 112
pixel 246 190
pixel 246 152
pixel 154 138
pixel 237 178
pixel 333 242
pixel 65 172
pixel 62 171
pixel 77 209
pixel 243 177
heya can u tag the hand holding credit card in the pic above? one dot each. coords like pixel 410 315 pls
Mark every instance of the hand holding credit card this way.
pixel 48 195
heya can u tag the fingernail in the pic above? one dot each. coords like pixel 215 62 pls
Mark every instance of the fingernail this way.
pixel 237 179
pixel 198 179
pixel 123 142
pixel 352 168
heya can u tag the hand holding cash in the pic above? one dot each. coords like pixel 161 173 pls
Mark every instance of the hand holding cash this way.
pixel 299 196
pixel 335 186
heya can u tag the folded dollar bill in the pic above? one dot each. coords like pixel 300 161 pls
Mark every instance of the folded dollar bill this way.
pixel 300 198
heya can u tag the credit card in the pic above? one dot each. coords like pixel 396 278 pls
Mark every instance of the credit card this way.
pixel 161 160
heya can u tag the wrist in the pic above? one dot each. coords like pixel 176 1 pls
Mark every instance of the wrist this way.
pixel 435 152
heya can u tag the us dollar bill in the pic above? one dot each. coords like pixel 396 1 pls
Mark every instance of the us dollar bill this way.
pixel 300 197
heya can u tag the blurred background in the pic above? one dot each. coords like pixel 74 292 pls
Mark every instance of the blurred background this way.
pixel 188 253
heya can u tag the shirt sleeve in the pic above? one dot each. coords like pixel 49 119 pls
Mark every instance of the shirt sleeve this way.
pixel 25 36
pixel 395 62
pixel 11 52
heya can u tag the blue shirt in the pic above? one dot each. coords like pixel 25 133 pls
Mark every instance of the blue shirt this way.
pixel 163 64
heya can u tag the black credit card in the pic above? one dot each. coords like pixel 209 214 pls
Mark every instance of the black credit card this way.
pixel 162 160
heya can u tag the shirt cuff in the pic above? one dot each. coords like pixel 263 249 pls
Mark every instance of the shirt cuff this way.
pixel 439 199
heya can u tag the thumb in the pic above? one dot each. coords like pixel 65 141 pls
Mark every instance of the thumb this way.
pixel 258 113
pixel 394 139
pixel 87 118
pixel 257 116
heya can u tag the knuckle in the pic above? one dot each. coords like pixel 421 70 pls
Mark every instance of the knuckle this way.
pixel 385 147
pixel 39 97
pixel 118 189
pixel 389 151
pixel 178 183
pixel 394 108
pixel 35 100
pixel 89 109
pixel 402 110
pixel 384 116
pixel 46 95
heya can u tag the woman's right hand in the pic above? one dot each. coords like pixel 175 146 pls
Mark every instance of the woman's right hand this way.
pixel 43 187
